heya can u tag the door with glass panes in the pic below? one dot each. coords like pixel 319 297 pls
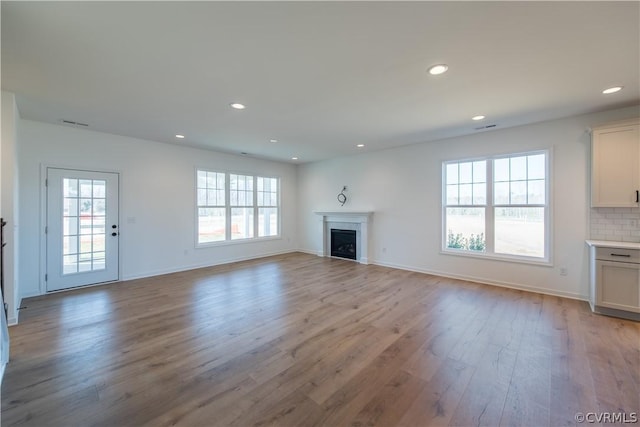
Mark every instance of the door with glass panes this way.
pixel 82 230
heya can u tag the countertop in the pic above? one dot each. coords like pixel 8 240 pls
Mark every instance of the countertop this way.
pixel 610 244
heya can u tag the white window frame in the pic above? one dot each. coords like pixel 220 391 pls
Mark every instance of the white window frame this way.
pixel 231 207
pixel 490 207
pixel 217 206
pixel 228 207
pixel 259 206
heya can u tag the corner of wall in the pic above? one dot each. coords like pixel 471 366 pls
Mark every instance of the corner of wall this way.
pixel 9 199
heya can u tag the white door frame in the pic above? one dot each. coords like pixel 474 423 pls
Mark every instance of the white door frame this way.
pixel 42 288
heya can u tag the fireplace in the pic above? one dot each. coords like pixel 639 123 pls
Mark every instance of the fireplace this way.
pixel 343 243
pixel 355 223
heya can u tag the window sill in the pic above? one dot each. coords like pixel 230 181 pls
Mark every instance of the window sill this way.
pixel 496 257
pixel 236 242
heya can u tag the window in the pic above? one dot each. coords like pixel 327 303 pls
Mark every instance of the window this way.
pixel 466 190
pixel 519 205
pixel 267 207
pixel 84 225
pixel 236 207
pixel 241 195
pixel 212 210
pixel 497 206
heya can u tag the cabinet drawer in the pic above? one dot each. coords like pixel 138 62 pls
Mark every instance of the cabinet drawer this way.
pixel 620 255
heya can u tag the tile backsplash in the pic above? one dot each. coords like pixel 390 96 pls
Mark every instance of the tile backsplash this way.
pixel 617 224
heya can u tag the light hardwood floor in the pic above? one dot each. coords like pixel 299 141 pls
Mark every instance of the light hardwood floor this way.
pixel 298 340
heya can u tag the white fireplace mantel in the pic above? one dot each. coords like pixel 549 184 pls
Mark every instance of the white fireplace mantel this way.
pixel 352 220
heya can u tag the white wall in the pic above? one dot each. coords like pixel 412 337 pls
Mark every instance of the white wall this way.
pixel 9 202
pixel 403 187
pixel 156 188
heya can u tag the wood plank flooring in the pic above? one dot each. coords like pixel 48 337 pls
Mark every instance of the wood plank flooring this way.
pixel 298 340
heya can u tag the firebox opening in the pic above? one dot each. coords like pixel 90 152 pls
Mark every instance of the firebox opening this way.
pixel 343 243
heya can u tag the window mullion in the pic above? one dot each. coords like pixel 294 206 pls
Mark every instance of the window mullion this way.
pixel 255 207
pixel 489 213
pixel 227 196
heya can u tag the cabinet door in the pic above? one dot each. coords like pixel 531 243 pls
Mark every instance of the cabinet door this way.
pixel 615 169
pixel 618 285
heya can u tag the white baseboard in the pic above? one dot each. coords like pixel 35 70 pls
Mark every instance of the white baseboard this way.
pixel 474 279
pixel 306 251
pixel 481 280
pixel 485 281
pixel 203 265
pixel 12 321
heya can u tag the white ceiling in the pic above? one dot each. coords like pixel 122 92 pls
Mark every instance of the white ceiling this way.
pixel 320 77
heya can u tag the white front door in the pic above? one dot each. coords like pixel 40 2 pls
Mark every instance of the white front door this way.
pixel 82 228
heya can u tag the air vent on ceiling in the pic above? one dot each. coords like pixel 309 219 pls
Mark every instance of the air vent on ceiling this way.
pixel 72 123
pixel 485 127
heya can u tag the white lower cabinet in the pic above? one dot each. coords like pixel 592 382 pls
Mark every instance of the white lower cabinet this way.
pixel 618 285
pixel 615 281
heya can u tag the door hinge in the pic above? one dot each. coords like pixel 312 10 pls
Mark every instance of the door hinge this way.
pixel 46 229
pixel 46 182
pixel 46 277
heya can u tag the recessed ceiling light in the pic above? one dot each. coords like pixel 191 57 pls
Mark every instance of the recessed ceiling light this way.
pixel 273 140
pixel 612 90
pixel 480 117
pixel 238 106
pixel 180 136
pixel 360 145
pixel 438 69
pixel 294 158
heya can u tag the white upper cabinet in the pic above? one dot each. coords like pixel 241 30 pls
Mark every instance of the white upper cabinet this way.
pixel 615 165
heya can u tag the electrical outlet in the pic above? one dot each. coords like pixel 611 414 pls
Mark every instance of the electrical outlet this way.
pixel 563 271
pixel 633 222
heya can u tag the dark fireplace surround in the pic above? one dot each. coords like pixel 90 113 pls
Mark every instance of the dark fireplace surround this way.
pixel 343 243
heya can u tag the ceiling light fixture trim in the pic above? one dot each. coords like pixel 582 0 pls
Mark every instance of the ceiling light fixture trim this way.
pixel 438 69
pixel 612 89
